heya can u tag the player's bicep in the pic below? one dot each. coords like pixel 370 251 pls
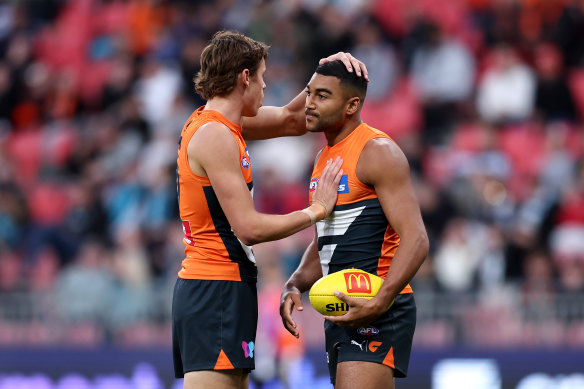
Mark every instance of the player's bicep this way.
pixel 384 166
pixel 215 150
pixel 401 208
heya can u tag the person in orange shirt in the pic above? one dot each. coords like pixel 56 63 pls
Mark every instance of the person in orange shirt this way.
pixel 375 226
pixel 214 308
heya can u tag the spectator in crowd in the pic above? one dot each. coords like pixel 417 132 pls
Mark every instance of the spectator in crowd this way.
pixel 443 70
pixel 553 97
pixel 567 243
pixel 506 92
pixel 456 260
pixel 372 47
pixel 85 287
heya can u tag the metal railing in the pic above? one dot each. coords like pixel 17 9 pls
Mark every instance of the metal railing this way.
pixel 502 319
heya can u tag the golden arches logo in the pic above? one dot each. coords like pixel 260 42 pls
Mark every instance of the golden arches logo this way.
pixel 357 282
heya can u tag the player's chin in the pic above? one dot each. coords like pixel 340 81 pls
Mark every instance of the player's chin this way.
pixel 311 125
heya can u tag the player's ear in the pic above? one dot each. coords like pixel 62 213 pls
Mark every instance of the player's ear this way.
pixel 245 76
pixel 353 105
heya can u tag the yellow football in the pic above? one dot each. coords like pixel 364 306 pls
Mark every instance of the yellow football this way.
pixel 352 282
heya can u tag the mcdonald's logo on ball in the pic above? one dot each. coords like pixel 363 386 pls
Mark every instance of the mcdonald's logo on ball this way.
pixel 358 282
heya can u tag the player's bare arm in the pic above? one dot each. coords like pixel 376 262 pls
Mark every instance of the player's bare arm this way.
pixel 273 122
pixel 213 153
pixel 289 120
pixel 307 273
pixel 383 165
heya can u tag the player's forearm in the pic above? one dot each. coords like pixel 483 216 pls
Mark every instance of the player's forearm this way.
pixel 296 114
pixel 409 257
pixel 272 122
pixel 258 227
pixel 252 227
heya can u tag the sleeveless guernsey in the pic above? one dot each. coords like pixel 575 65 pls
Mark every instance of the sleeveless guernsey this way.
pixel 357 234
pixel 212 251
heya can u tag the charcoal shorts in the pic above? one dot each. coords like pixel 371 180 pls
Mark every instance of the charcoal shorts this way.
pixel 213 325
pixel 387 341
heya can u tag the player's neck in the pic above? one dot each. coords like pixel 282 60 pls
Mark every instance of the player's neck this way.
pixel 334 137
pixel 226 106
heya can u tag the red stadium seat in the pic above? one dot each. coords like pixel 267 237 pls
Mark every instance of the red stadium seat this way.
pixel 525 146
pixel 397 115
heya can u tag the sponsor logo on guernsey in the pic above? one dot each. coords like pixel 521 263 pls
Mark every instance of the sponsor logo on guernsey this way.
pixel 368 330
pixel 313 185
pixel 344 184
pixel 357 282
pixel 247 348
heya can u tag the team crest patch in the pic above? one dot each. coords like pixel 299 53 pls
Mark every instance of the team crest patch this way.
pixel 313 185
pixel 245 162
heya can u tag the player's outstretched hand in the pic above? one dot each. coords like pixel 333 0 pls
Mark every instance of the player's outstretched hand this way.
pixel 328 186
pixel 291 297
pixel 361 312
pixel 349 61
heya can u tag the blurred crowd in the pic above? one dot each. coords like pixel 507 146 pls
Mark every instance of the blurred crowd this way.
pixel 485 97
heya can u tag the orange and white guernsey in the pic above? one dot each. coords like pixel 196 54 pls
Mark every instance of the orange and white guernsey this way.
pixel 212 251
pixel 357 234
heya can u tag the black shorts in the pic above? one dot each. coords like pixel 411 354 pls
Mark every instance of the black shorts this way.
pixel 388 340
pixel 213 325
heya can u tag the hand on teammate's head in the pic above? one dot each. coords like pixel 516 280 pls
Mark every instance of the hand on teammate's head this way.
pixel 350 62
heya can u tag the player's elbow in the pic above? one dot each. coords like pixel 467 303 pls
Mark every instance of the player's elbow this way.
pixel 250 240
pixel 249 235
pixel 423 244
